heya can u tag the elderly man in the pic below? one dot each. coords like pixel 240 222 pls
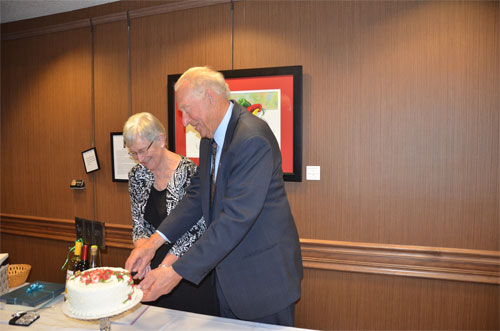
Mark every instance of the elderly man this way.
pixel 251 239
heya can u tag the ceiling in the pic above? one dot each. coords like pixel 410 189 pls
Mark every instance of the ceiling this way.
pixel 15 10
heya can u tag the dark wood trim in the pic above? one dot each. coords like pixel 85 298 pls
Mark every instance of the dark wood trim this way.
pixel 138 13
pixel 117 235
pixel 478 266
pixel 109 18
pixel 47 29
pixel 175 6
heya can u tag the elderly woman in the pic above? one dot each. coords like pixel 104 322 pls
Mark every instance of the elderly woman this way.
pixel 156 184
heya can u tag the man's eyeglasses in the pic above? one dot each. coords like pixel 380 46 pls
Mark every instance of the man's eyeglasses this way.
pixel 142 151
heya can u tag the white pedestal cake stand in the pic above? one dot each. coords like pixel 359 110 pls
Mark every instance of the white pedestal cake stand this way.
pixel 103 317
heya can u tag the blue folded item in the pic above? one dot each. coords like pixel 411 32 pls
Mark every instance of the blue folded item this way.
pixel 33 294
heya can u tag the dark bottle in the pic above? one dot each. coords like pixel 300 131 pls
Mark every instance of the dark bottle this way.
pixel 75 259
pixel 95 261
pixel 84 263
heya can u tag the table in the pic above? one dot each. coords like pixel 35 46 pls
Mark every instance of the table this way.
pixel 141 317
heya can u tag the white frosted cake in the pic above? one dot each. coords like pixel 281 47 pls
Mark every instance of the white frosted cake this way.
pixel 100 292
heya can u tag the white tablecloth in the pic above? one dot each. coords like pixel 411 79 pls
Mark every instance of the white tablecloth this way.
pixel 141 317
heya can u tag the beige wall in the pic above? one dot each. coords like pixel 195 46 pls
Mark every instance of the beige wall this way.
pixel 400 110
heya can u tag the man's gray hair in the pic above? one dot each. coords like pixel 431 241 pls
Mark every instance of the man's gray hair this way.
pixel 202 78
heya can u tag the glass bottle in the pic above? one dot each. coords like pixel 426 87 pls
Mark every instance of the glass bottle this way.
pixel 95 261
pixel 75 259
pixel 73 264
pixel 84 263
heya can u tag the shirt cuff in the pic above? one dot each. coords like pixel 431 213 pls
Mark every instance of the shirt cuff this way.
pixel 163 236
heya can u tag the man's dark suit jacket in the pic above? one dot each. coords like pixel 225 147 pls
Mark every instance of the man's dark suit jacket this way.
pixel 251 239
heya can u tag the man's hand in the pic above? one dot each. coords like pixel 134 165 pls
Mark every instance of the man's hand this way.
pixel 169 259
pixel 158 282
pixel 142 255
pixel 140 242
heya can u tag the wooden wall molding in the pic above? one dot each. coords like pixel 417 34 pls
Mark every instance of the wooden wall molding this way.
pixel 478 266
pixel 175 6
pixel 46 30
pixel 117 235
pixel 109 18
pixel 137 13
pixel 468 265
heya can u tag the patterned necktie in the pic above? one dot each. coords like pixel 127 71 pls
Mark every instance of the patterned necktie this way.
pixel 212 172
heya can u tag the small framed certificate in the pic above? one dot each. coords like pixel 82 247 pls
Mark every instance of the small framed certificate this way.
pixel 120 160
pixel 90 160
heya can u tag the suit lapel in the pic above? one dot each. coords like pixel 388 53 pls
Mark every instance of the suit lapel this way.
pixel 237 109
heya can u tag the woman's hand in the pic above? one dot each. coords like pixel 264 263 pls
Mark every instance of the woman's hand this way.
pixel 142 255
pixel 138 243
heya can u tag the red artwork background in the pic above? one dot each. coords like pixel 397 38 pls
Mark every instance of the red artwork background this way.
pixel 282 82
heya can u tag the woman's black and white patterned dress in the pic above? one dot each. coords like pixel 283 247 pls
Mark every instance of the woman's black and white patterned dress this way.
pixel 149 209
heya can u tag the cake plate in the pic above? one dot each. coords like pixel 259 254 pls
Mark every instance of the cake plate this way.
pixel 103 318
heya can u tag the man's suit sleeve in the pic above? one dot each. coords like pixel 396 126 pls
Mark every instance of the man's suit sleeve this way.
pixel 185 214
pixel 246 179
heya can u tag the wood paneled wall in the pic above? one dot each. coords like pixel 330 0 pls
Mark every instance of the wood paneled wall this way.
pixel 353 301
pixel 401 113
pixel 400 110
pixel 111 112
pixel 46 123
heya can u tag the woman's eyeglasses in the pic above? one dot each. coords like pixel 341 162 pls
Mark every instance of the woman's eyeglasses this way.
pixel 141 152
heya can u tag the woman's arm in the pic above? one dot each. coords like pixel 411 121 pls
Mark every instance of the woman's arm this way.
pixel 168 260
pixel 185 242
pixel 140 182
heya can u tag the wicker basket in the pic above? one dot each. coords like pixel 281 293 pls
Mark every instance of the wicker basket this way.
pixel 18 273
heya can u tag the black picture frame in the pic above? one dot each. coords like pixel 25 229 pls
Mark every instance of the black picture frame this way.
pixel 292 164
pixel 121 163
pixel 90 160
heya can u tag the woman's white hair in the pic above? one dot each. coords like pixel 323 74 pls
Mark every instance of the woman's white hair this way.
pixel 144 125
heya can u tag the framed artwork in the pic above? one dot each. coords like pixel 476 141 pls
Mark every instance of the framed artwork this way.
pixel 90 160
pixel 121 161
pixel 273 94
